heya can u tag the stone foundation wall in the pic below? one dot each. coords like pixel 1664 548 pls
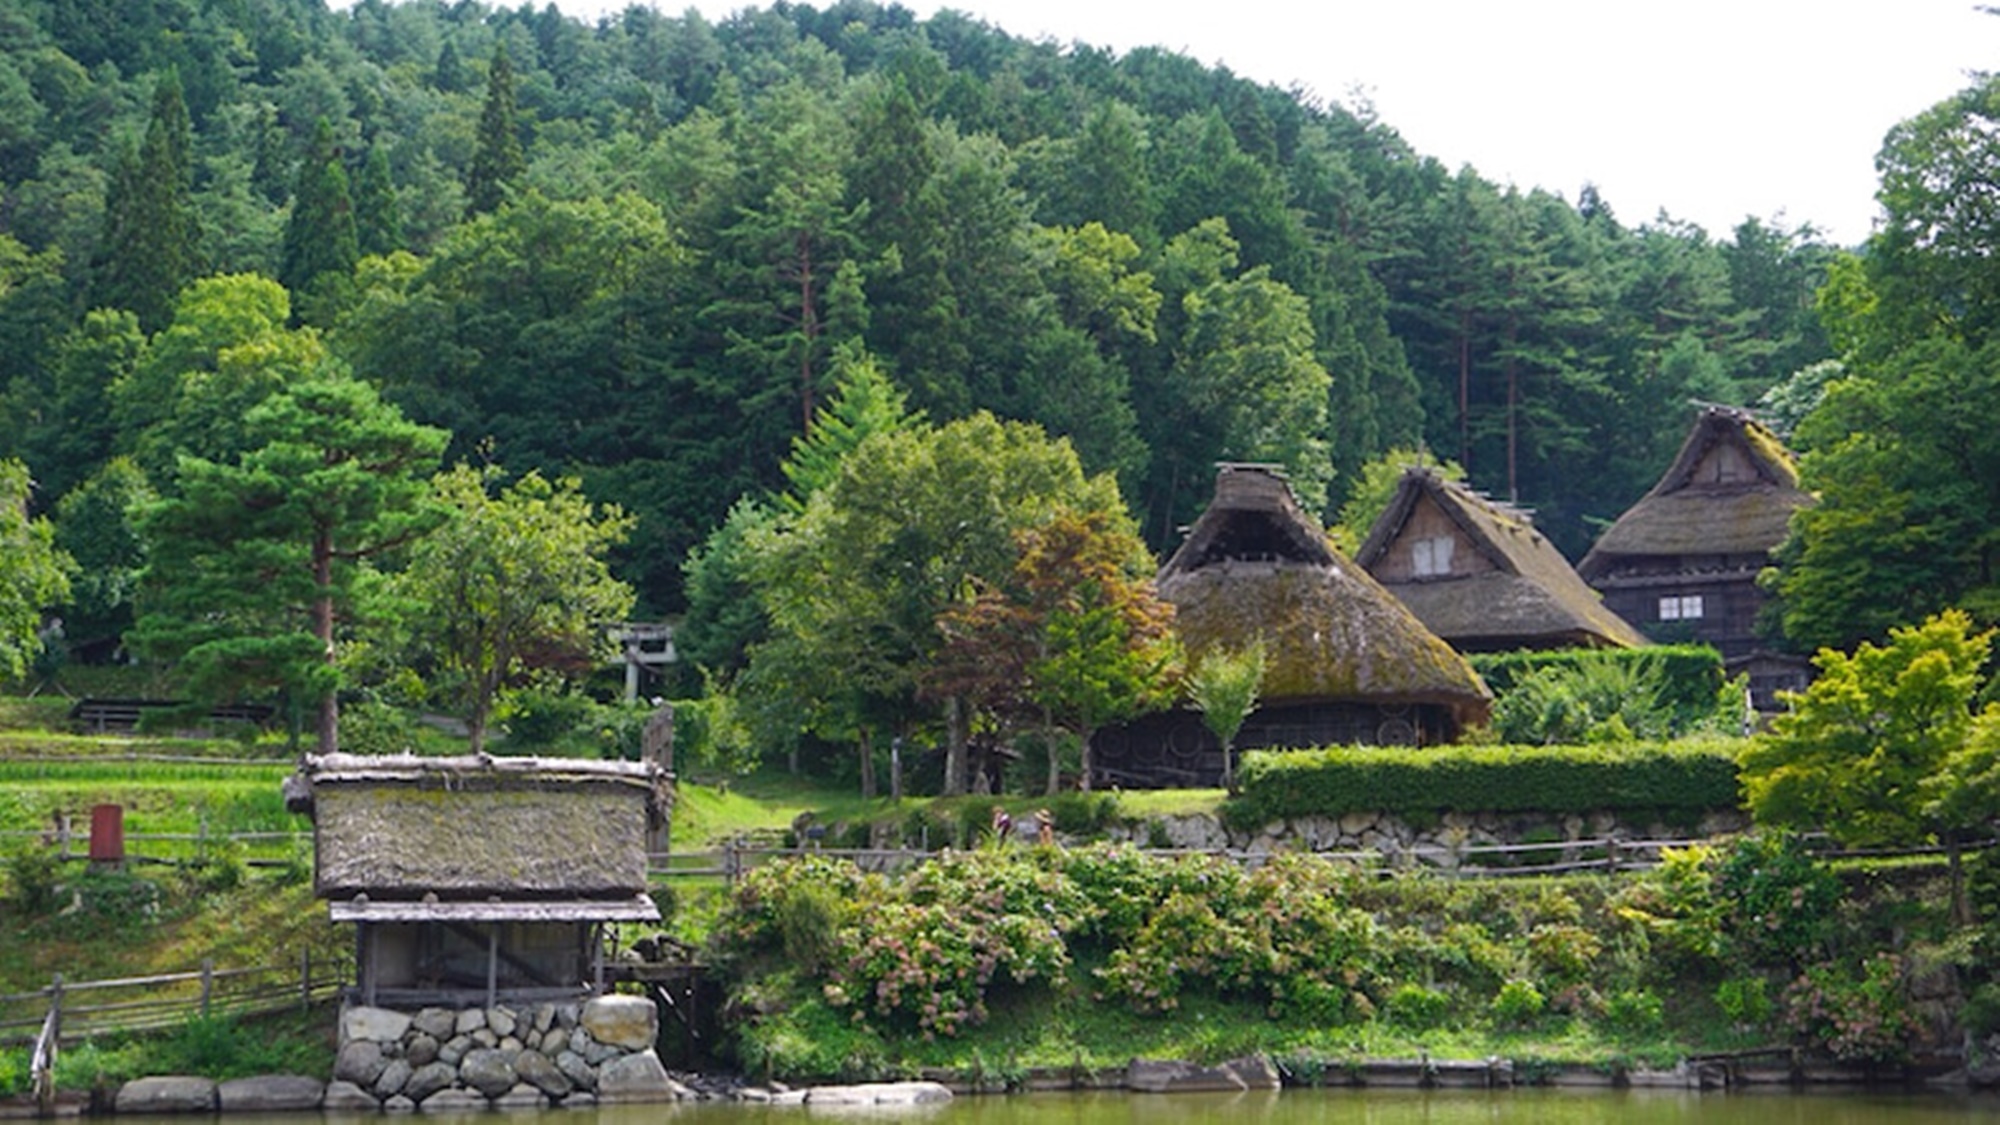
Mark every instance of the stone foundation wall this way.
pixel 1441 843
pixel 586 1052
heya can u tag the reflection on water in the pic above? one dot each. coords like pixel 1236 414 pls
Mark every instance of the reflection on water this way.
pixel 1292 1107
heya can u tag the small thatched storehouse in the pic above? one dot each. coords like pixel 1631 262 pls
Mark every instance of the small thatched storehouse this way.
pixel 1682 564
pixel 1345 662
pixel 1478 574
pixel 480 878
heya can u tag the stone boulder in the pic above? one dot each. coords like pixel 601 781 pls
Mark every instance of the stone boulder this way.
pixel 453 1101
pixel 879 1093
pixel 394 1077
pixel 539 1071
pixel 438 1023
pixel 1169 1076
pixel 429 1079
pixel 488 1071
pixel 378 1024
pixel 631 1022
pixel 360 1061
pixel 636 1078
pixel 270 1093
pixel 166 1094
pixel 346 1097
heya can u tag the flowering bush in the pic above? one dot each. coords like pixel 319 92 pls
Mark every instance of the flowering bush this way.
pixel 1861 1017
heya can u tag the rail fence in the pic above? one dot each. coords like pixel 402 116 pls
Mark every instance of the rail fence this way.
pixel 1605 856
pixel 179 849
pixel 68 1011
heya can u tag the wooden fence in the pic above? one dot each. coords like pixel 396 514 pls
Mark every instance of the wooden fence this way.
pixel 1604 856
pixel 67 1011
pixel 81 1009
pixel 255 849
pixel 1473 861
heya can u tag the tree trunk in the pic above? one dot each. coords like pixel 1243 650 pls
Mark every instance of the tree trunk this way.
pixel 954 748
pixel 1083 751
pixel 329 701
pixel 1054 747
pixel 867 763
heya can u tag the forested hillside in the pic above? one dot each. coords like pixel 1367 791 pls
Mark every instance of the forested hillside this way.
pixel 638 252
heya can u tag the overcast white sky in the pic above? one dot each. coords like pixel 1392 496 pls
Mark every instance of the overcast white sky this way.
pixel 1709 109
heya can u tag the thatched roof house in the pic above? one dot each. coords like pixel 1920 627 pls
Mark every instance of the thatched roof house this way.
pixel 1479 575
pixel 1345 661
pixel 1682 563
pixel 481 874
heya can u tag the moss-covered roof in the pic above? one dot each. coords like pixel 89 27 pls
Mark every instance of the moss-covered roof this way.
pixel 1256 566
pixel 1690 513
pixel 406 827
pixel 1530 598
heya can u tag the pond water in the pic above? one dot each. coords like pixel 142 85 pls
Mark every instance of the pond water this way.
pixel 1291 1107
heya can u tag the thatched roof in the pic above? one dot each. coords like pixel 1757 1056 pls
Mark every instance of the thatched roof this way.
pixel 1517 592
pixel 1731 491
pixel 1255 565
pixel 409 827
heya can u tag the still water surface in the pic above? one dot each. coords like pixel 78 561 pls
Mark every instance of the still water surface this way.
pixel 1291 1107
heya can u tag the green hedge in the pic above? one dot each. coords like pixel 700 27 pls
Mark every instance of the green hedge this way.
pixel 1689 675
pixel 1676 778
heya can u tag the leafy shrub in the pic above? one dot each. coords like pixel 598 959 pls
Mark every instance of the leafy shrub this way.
pixel 1855 1017
pixel 1692 777
pixel 809 919
pixel 1634 1012
pixel 812 1040
pixel 1563 950
pixel 1683 681
pixel 1744 1001
pixel 1777 901
pixel 376 728
pixel 1083 814
pixel 542 719
pixel 1518 1004
pixel 1418 1008
pixel 34 879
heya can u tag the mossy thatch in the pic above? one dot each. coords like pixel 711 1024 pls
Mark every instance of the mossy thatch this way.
pixel 1256 566
pixel 1731 491
pixel 403 827
pixel 1517 592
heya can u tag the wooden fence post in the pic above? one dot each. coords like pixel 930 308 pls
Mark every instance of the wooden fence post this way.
pixel 305 978
pixel 42 1066
pixel 207 983
pixel 1611 855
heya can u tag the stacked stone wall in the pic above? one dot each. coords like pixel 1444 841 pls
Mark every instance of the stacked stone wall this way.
pixel 1447 842
pixel 584 1052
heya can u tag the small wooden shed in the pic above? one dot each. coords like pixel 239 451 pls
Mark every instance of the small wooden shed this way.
pixel 1478 573
pixel 1346 662
pixel 477 879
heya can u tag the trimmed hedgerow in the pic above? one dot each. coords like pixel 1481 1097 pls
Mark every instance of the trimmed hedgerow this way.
pixel 1690 777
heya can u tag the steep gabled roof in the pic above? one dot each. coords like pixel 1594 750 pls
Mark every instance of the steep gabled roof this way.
pixel 1527 596
pixel 1731 491
pixel 1256 565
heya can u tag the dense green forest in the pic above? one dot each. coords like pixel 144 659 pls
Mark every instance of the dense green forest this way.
pixel 634 248
pixel 265 268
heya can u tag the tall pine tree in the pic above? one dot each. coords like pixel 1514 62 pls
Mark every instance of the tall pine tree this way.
pixel 320 238
pixel 498 161
pixel 151 244
pixel 378 220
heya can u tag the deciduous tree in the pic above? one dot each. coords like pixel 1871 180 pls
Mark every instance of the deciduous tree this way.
pixel 512 582
pixel 34 575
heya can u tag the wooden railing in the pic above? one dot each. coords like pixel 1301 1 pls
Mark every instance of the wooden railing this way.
pixel 67 1011
pixel 1607 856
